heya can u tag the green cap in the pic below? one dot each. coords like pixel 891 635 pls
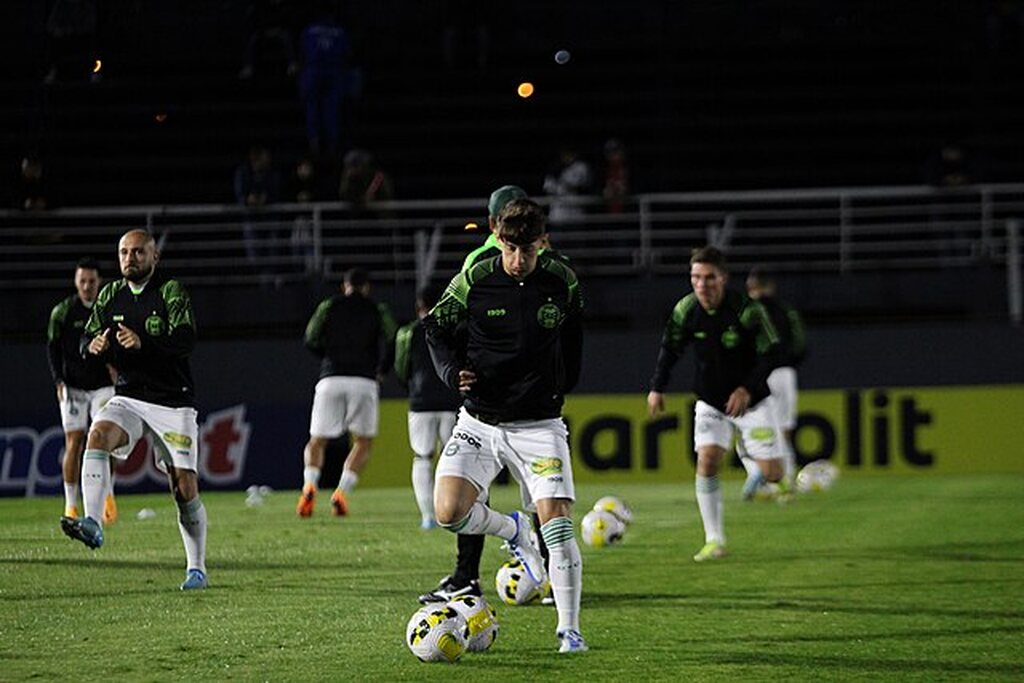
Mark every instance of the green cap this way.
pixel 502 196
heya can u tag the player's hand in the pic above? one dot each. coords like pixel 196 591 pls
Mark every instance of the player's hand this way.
pixel 100 343
pixel 60 392
pixel 739 401
pixel 655 403
pixel 127 338
pixel 467 378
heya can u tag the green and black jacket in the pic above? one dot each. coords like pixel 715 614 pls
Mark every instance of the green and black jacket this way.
pixel 352 335
pixel 790 326
pixel 161 314
pixel 523 339
pixel 736 345
pixel 64 348
pixel 427 393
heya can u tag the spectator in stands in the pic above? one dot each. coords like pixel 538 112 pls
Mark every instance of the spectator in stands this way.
pixel 33 194
pixel 272 21
pixel 257 184
pixel 363 184
pixel 71 40
pixel 304 188
pixel 570 179
pixel 616 176
pixel 325 80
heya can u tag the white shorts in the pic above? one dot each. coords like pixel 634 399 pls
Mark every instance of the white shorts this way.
pixel 782 384
pixel 80 407
pixel 427 429
pixel 759 433
pixel 344 404
pixel 173 431
pixel 536 453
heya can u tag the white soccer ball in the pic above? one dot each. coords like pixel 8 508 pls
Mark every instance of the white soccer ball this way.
pixel 600 528
pixel 819 475
pixel 514 585
pixel 481 620
pixel 437 634
pixel 616 506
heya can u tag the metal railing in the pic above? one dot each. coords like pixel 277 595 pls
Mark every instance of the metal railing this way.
pixel 823 230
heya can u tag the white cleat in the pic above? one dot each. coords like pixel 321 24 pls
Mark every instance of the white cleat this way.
pixel 523 549
pixel 571 641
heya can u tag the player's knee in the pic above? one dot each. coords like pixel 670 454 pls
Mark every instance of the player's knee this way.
pixel 449 514
pixel 106 436
pixel 184 486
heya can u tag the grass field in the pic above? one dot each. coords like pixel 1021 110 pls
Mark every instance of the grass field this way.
pixel 904 579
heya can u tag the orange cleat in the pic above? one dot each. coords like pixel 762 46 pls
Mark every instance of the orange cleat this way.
pixel 109 510
pixel 339 506
pixel 306 501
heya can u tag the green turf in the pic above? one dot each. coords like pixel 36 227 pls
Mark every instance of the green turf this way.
pixel 904 579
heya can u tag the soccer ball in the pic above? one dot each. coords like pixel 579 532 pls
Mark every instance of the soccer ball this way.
pixel 437 634
pixel 819 475
pixel 617 507
pixel 600 528
pixel 481 621
pixel 514 585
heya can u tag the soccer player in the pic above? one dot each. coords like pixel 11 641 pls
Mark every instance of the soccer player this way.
pixel 782 382
pixel 519 354
pixel 353 336
pixel 432 405
pixel 143 325
pixel 84 384
pixel 735 344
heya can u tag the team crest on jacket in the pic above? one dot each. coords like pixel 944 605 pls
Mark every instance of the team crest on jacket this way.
pixel 154 326
pixel 549 316
pixel 730 338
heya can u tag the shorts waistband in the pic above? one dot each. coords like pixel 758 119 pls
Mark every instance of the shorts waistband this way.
pixel 486 418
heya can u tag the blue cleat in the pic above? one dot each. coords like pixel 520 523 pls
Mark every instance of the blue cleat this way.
pixel 195 580
pixel 87 530
pixel 523 549
pixel 752 485
pixel 428 524
pixel 571 641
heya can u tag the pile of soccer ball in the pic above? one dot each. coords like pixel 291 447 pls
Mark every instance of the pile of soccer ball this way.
pixel 819 475
pixel 606 523
pixel 443 633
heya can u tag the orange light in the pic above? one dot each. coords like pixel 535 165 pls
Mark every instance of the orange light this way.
pixel 160 118
pixel 525 89
pixel 471 226
pixel 98 66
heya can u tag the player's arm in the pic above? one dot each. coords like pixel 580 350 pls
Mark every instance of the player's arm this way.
pixel 441 329
pixel 386 341
pixel 180 336
pixel 767 342
pixel 799 334
pixel 314 337
pixel 54 348
pixel 403 348
pixel 572 337
pixel 673 342
pixel 97 336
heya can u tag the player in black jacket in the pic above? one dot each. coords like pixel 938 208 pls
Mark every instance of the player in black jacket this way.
pixel 143 325
pixel 353 337
pixel 519 355
pixel 432 405
pixel 782 382
pixel 84 384
pixel 736 348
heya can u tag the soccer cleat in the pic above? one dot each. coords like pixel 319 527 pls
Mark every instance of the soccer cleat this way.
pixel 71 512
pixel 195 580
pixel 428 524
pixel 712 550
pixel 752 485
pixel 523 549
pixel 339 506
pixel 571 641
pixel 85 530
pixel 109 510
pixel 307 499
pixel 448 590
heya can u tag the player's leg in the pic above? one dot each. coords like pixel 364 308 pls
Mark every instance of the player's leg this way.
pixel 713 432
pixel 361 416
pixel 97 399
pixel 192 522
pixel 326 422
pixel 74 441
pixel 565 570
pixel 423 427
pixel 358 456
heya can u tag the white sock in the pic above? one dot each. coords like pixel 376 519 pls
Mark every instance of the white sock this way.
pixel 483 520
pixel 751 466
pixel 565 569
pixel 788 460
pixel 70 495
pixel 709 500
pixel 423 486
pixel 192 524
pixel 349 479
pixel 95 482
pixel 311 476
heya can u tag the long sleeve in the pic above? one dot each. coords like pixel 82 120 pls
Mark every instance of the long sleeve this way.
pixel 403 347
pixel 180 339
pixel 388 330
pixel 54 349
pixel 755 318
pixel 441 326
pixel 572 338
pixel 673 342
pixel 314 339
pixel 799 334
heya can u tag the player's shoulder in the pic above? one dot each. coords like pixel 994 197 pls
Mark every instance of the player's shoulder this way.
pixel 685 307
pixel 171 288
pixel 110 290
pixel 61 308
pixel 552 262
pixel 480 270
